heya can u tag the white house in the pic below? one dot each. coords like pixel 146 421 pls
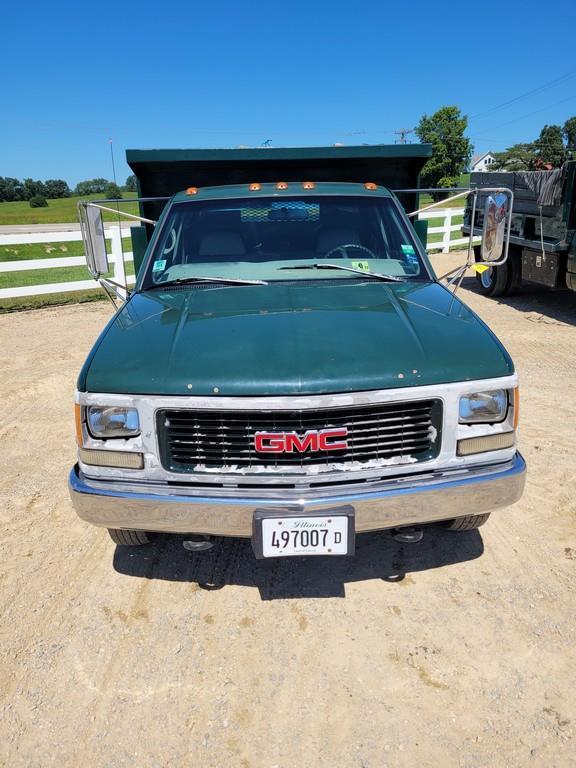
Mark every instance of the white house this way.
pixel 482 162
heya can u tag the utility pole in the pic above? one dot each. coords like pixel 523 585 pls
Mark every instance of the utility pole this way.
pixel 403 133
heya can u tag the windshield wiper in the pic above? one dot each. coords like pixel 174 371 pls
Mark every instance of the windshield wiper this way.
pixel 198 279
pixel 364 273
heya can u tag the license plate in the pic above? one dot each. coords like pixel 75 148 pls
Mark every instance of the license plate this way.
pixel 279 534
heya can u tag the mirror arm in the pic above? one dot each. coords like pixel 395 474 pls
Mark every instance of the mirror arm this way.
pixel 114 291
pixel 122 213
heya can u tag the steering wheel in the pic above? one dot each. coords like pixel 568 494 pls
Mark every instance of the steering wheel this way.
pixel 344 247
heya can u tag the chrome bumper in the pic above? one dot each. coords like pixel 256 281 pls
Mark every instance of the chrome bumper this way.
pixel 411 500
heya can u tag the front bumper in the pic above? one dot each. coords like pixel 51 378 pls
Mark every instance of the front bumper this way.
pixel 408 500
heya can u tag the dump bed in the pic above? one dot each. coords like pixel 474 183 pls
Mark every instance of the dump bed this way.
pixel 162 172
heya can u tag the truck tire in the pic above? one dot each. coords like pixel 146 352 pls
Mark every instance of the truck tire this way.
pixel 467 523
pixel 129 538
pixel 493 281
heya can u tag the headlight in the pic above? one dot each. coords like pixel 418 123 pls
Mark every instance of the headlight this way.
pixel 112 421
pixel 484 407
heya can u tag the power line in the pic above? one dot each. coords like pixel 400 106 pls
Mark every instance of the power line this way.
pixel 539 89
pixel 535 112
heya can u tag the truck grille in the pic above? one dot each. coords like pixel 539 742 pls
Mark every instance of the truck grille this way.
pixel 395 433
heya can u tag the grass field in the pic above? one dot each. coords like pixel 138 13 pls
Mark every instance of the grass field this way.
pixel 50 250
pixel 59 211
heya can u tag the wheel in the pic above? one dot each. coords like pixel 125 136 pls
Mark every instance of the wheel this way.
pixel 497 281
pixel 494 281
pixel 467 523
pixel 129 538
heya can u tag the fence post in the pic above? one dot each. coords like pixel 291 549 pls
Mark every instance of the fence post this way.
pixel 447 234
pixel 116 247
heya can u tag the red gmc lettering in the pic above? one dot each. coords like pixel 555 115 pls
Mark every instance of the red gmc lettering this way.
pixel 312 440
pixel 269 442
pixel 331 434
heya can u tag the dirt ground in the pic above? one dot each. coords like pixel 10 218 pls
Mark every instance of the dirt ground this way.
pixel 459 651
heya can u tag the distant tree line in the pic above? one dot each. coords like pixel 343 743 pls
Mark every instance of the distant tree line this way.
pixel 551 149
pixel 37 193
pixel 13 189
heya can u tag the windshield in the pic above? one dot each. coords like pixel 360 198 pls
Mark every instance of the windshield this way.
pixel 259 238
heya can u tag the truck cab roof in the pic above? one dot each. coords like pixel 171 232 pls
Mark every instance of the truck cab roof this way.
pixel 280 189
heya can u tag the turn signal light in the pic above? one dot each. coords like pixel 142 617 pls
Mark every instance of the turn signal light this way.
pixel 486 443
pixel 192 191
pixel 370 185
pixel 254 187
pixel 122 459
pixel 516 403
pixel 282 185
pixel 78 420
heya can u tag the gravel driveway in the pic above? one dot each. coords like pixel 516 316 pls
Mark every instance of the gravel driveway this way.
pixel 459 651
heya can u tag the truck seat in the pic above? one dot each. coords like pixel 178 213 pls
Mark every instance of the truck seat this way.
pixel 221 244
pixel 328 239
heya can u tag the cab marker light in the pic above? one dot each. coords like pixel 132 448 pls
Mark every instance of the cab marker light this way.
pixel 282 185
pixel 308 184
pixel 254 187
pixel 192 191
pixel 370 185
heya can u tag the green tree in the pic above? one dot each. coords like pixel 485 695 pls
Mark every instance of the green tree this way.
pixel 38 201
pixel 12 189
pixel 112 191
pixel 569 131
pixel 90 186
pixel 550 149
pixel 519 157
pixel 33 188
pixel 130 185
pixel 56 188
pixel 451 150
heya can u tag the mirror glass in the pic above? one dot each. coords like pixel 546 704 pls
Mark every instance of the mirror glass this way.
pixel 495 215
pixel 94 241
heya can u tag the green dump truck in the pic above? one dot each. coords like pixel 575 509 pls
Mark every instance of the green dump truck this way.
pixel 288 368
pixel 543 229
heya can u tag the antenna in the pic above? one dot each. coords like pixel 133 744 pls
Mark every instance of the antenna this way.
pixel 403 133
pixel 113 163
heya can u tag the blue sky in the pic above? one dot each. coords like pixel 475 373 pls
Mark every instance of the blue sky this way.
pixel 223 74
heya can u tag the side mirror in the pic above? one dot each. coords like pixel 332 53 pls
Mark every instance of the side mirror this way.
pixel 94 241
pixel 494 229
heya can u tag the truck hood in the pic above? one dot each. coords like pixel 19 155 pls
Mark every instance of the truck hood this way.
pixel 340 336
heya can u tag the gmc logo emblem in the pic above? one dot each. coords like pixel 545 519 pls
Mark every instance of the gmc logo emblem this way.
pixel 312 440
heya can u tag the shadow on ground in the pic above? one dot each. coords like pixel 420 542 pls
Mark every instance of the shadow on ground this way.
pixel 545 305
pixel 231 561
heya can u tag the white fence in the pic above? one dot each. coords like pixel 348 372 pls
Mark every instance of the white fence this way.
pixel 115 236
pixel 447 214
pixel 115 257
